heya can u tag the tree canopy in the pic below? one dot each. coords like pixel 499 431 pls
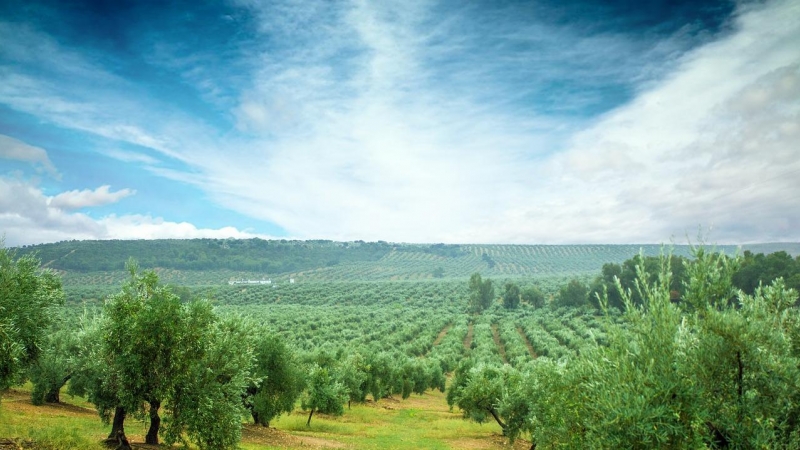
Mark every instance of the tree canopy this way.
pixel 511 296
pixel 280 380
pixel 27 296
pixel 481 293
pixel 162 352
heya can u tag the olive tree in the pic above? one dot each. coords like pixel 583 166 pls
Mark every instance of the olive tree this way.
pixel 511 296
pixel 479 389
pixel 324 393
pixel 533 296
pixel 206 403
pixel 481 293
pixel 706 372
pixel 354 376
pixel 162 352
pixel 27 296
pixel 279 380
pixel 56 364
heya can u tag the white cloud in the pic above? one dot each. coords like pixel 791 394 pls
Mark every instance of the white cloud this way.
pixel 28 217
pixel 388 152
pixel 88 198
pixel 136 226
pixel 17 150
pixel 385 122
pixel 713 145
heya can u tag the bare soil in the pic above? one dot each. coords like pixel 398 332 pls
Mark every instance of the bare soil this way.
pixel 527 342
pixel 499 343
pixel 276 438
pixel 442 334
pixel 468 339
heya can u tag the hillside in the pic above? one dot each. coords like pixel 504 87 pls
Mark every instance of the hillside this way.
pixel 215 261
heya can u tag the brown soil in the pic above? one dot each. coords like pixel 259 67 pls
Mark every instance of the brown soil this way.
pixel 495 441
pixel 499 343
pixel 468 339
pixel 442 334
pixel 527 342
pixel 276 438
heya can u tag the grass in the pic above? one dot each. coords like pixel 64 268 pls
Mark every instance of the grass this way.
pixel 415 423
pixel 67 426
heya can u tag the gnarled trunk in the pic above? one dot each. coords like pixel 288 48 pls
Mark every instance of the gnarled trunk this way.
pixel 155 423
pixel 53 395
pixel 499 422
pixel 118 424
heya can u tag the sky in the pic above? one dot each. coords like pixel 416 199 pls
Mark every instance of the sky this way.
pixel 535 122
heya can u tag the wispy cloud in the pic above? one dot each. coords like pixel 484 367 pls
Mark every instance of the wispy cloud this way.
pixel 417 121
pixel 415 132
pixel 713 145
pixel 88 198
pixel 14 149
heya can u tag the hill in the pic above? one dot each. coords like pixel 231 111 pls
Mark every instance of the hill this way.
pixel 194 262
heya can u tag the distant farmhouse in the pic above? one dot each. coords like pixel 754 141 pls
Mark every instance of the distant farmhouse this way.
pixel 243 281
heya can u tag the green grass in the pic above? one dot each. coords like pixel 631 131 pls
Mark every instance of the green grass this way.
pixel 72 425
pixel 418 422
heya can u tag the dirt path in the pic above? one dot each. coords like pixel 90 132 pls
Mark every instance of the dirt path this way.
pixel 51 262
pixel 468 339
pixel 442 334
pixel 527 342
pixel 499 343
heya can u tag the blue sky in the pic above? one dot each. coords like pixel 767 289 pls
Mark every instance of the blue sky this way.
pixel 412 121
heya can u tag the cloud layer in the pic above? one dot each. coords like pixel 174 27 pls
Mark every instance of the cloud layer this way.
pixel 424 122
pixel 28 216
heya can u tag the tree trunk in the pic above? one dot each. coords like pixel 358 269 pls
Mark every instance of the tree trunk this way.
pixel 155 423
pixel 740 385
pixel 118 424
pixel 308 424
pixel 53 395
pixel 499 422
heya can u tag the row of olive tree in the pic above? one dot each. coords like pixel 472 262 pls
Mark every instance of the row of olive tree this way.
pixel 192 374
pixel 481 294
pixel 719 369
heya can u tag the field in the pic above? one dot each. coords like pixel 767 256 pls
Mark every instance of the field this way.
pixel 411 323
pixel 406 321
pixel 401 314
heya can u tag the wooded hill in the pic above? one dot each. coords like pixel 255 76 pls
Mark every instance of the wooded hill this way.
pixel 213 261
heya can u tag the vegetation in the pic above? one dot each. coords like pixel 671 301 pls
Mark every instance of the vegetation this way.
pixel 511 296
pixel 215 261
pixel 278 383
pixel 701 373
pixel 631 358
pixel 27 297
pixel 481 293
